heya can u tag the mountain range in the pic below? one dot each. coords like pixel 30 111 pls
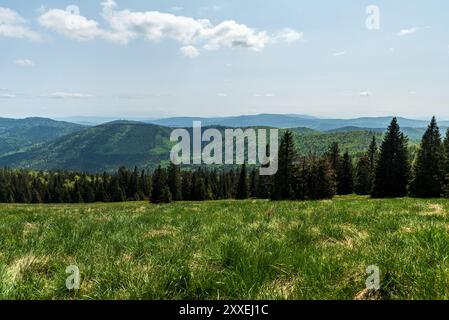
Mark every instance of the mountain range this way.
pixel 44 144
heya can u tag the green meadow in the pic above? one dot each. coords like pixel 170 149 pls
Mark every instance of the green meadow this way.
pixel 227 249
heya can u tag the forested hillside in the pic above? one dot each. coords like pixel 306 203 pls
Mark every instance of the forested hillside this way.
pixel 19 134
pixel 45 144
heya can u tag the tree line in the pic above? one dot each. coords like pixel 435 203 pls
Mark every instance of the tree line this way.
pixel 385 171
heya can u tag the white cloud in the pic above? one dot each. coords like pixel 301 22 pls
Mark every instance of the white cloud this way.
pixel 7 95
pixel 12 25
pixel 405 32
pixel 190 52
pixel 66 95
pixel 264 95
pixel 338 54
pixel 24 63
pixel 289 35
pixel 366 94
pixel 126 25
pixel 222 95
pixel 71 25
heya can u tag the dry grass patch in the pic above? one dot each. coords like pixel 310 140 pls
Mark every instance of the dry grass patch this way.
pixel 28 263
pixel 151 234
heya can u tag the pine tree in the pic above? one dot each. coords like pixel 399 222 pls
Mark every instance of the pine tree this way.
pixel 445 190
pixel 199 190
pixel 320 179
pixel 187 186
pixel 346 176
pixel 242 188
pixel 175 182
pixel 334 157
pixel 253 177
pixel 363 176
pixel 284 179
pixel 427 173
pixel 392 168
pixel 161 191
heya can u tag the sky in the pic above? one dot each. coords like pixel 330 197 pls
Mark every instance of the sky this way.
pixel 153 58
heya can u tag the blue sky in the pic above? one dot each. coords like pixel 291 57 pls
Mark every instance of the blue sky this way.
pixel 135 58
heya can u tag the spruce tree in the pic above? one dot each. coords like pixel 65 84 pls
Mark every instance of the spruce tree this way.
pixel 284 179
pixel 253 177
pixel 187 186
pixel 160 191
pixel 334 156
pixel 174 182
pixel 199 189
pixel 346 176
pixel 242 187
pixel 392 169
pixel 363 185
pixel 320 179
pixel 427 172
pixel 445 166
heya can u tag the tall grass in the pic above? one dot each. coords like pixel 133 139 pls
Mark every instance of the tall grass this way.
pixel 227 249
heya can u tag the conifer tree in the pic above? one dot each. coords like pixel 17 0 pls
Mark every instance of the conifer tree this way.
pixel 175 182
pixel 242 187
pixel 334 157
pixel 427 172
pixel 346 176
pixel 320 179
pixel 284 179
pixel 392 169
pixel 445 191
pixel 253 177
pixel 187 186
pixel 199 190
pixel 363 176
pixel 160 191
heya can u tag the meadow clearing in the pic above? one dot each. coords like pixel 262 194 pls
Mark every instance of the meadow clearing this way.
pixel 251 249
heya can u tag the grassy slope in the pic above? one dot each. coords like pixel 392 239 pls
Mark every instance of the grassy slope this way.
pixel 251 249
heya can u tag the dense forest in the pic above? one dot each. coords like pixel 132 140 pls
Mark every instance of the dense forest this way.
pixel 386 171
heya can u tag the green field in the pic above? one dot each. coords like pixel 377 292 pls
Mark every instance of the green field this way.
pixel 227 250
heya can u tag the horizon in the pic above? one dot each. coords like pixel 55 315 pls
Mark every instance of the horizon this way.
pixel 145 118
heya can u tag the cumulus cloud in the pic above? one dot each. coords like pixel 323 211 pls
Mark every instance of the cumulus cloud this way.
pixel 405 32
pixel 67 95
pixel 12 25
pixel 190 52
pixel 71 25
pixel 24 63
pixel 126 25
pixel 289 35
pixel 339 54
pixel 366 94
pixel 264 95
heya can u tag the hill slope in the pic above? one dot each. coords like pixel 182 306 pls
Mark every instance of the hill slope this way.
pixel 19 134
pixel 101 148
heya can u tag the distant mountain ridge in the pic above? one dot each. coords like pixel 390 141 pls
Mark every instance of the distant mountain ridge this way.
pixel 293 121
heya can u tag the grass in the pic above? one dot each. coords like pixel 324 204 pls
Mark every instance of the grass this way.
pixel 227 249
